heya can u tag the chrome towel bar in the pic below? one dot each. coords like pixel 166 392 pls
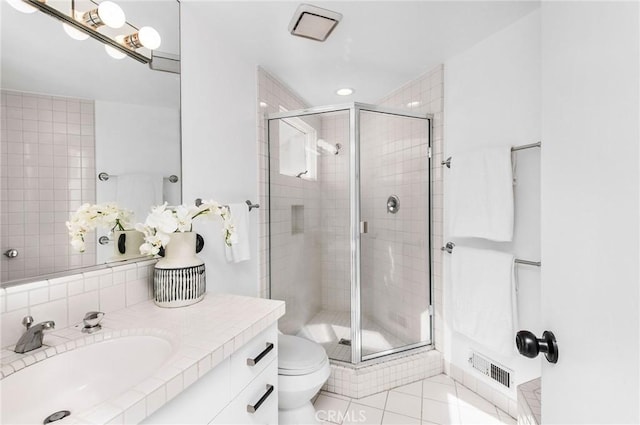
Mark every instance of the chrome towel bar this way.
pixel 450 245
pixel 250 204
pixel 103 177
pixel 513 149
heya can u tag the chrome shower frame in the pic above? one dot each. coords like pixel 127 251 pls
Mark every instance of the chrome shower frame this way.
pixel 354 110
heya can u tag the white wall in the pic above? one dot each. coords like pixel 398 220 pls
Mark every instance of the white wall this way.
pixel 590 213
pixel 492 97
pixel 145 141
pixel 219 154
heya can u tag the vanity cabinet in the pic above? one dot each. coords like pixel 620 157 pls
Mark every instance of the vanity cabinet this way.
pixel 242 389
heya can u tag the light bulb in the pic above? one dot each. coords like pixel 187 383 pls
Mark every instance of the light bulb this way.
pixel 108 13
pixel 149 38
pixel 74 33
pixel 145 37
pixel 115 53
pixel 111 14
pixel 22 6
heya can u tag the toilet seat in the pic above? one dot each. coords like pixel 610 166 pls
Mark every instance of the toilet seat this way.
pixel 299 356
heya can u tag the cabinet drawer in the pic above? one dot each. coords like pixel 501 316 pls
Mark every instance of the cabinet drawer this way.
pixel 200 402
pixel 253 357
pixel 261 393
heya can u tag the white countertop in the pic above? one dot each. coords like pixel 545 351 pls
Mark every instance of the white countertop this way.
pixel 203 334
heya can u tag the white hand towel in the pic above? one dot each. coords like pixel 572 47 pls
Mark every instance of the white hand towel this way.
pixel 138 193
pixel 484 298
pixel 481 188
pixel 240 250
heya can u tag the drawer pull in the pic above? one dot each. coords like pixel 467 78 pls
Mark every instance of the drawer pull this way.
pixel 265 396
pixel 253 362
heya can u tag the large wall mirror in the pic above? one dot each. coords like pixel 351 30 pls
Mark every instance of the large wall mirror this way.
pixel 69 113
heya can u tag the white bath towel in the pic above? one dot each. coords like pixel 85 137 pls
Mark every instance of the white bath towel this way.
pixel 240 250
pixel 481 200
pixel 138 193
pixel 484 298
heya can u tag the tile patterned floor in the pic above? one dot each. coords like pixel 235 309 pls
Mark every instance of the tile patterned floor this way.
pixel 436 400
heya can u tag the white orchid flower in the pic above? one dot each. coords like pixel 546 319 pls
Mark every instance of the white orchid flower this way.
pixel 184 217
pixel 88 217
pixel 162 219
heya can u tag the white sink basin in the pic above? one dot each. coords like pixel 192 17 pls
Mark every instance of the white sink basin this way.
pixel 80 378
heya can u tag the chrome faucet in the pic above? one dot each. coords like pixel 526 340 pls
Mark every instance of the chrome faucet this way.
pixel 32 338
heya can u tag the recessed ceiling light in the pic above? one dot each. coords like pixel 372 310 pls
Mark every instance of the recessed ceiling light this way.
pixel 414 104
pixel 263 104
pixel 344 91
pixel 313 22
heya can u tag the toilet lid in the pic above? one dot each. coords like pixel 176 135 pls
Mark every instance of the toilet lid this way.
pixel 299 356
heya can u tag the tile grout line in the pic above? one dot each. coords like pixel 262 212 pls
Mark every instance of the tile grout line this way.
pixel 421 399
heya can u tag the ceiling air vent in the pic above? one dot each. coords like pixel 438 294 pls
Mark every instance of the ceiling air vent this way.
pixel 491 369
pixel 313 22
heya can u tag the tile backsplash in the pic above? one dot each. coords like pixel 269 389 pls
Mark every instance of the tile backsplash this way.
pixel 65 300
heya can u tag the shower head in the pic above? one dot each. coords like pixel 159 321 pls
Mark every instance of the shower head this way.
pixel 328 147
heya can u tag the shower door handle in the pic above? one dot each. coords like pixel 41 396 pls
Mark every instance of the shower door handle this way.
pixel 364 227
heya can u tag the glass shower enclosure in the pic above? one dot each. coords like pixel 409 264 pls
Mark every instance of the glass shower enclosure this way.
pixel 349 227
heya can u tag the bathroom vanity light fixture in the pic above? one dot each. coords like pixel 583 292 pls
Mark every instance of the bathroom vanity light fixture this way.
pixel 313 22
pixel 82 25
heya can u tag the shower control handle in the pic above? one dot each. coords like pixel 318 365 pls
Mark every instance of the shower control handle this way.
pixel 530 346
pixel 11 253
pixel 393 204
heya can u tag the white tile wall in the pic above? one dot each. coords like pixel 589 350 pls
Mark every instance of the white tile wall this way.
pixel 294 255
pixel 336 237
pixel 47 169
pixel 362 381
pixel 395 268
pixel 479 384
pixel 65 300
pixel 424 94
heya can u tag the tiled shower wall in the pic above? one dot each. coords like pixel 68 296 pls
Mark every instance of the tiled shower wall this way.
pixel 395 250
pixel 48 169
pixel 425 94
pixel 294 252
pixel 336 237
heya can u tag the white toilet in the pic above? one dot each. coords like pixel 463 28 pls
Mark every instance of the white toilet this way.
pixel 303 367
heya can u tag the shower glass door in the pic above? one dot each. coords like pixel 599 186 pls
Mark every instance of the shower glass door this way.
pixel 309 222
pixel 395 292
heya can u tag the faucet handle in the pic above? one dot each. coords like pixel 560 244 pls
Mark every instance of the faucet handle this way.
pixel 92 321
pixel 27 321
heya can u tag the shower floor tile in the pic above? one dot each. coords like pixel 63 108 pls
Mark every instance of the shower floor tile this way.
pixel 327 328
